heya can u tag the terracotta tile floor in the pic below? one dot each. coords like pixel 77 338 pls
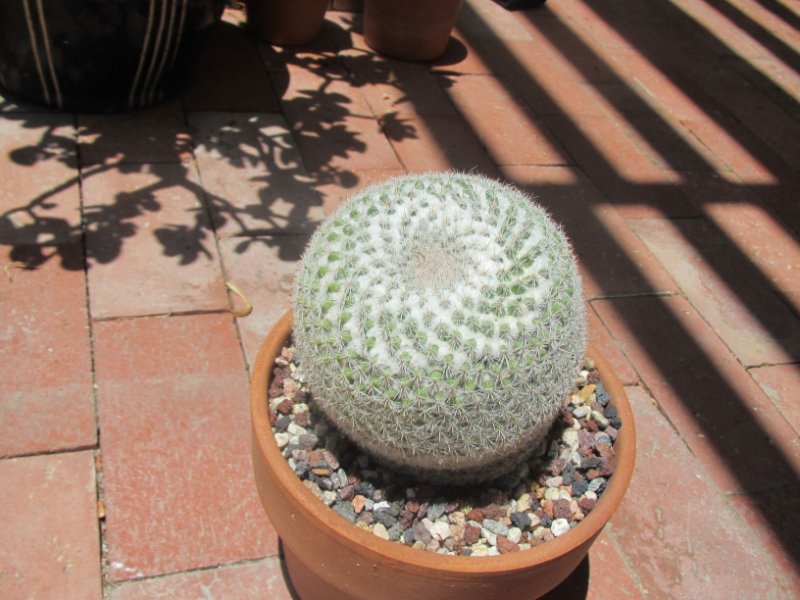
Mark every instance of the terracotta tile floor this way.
pixel 665 136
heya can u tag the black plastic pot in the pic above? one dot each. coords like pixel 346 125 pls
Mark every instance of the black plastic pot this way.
pixel 101 55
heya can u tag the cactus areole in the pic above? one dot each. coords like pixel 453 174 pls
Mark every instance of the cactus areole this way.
pixel 439 323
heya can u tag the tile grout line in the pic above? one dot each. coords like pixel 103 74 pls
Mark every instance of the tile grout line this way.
pixel 97 454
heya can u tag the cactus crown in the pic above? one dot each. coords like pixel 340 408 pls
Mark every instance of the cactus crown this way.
pixel 439 322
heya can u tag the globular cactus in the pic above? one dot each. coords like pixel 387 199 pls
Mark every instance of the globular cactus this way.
pixel 439 323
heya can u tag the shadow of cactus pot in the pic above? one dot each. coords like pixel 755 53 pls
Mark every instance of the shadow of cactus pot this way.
pixel 101 55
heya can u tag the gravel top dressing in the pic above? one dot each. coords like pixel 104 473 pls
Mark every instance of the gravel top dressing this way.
pixel 542 499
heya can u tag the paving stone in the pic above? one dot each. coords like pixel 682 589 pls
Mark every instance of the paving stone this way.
pixel 733 297
pixel 727 421
pixel 396 86
pixel 438 143
pixel 334 126
pixel 620 164
pixel 46 401
pixel 609 576
pixel 264 270
pixel 782 539
pixel 154 135
pixel 755 228
pixel 507 128
pixel 179 492
pixel 40 195
pixel 613 260
pixel 222 84
pixel 251 581
pixel 49 538
pixel 693 548
pixel 149 245
pixel 254 178
pixel 781 383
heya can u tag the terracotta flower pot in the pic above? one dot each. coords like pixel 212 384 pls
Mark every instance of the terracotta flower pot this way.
pixel 328 558
pixel 286 22
pixel 101 55
pixel 409 29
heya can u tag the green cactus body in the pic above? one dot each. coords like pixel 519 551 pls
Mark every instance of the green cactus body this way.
pixel 439 322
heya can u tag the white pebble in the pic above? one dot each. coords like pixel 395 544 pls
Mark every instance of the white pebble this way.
pixel 570 438
pixel 479 549
pixel 600 419
pixel 295 429
pixel 300 407
pixel 514 534
pixel 590 495
pixel 380 531
pixel 440 530
pixel 493 551
pixel 282 439
pixel 329 497
pixel 489 536
pixel 581 411
pixel 381 505
pixel 559 527
pixel 552 493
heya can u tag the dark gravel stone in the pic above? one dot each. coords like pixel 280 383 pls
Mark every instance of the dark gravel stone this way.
pixel 365 488
pixel 301 468
pixel 281 423
pixel 521 520
pixel 546 521
pixel 347 493
pixel 579 487
pixel 308 441
pixel 436 510
pixel 591 463
pixel 615 422
pixel 421 533
pixel 388 520
pixel 346 510
pixel 408 536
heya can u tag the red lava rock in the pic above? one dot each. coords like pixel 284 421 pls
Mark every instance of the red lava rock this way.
pixel 423 510
pixel 406 518
pixel 561 509
pixel 358 503
pixel 590 425
pixel 347 493
pixel 493 511
pixel 316 459
pixel 472 533
pixel 505 545
pixel 606 452
pixel 547 507
pixel 366 517
pixel 586 504
pixel 301 419
pixel 412 506
pixel 276 385
pixel 476 514
pixel 598 407
pixel 285 407
pixel 330 459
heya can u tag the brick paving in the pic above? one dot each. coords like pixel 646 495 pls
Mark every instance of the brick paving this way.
pixel 664 136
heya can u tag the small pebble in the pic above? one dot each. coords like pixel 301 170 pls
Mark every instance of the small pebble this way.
pixel 380 531
pixel 282 439
pixel 581 411
pixel 559 527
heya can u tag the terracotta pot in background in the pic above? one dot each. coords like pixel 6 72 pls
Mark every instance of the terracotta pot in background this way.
pixel 286 22
pixel 328 558
pixel 410 29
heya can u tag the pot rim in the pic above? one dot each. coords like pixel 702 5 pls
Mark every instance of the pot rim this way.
pixel 330 524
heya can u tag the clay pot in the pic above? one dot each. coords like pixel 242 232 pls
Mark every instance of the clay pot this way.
pixel 409 29
pixel 101 55
pixel 286 22
pixel 328 558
